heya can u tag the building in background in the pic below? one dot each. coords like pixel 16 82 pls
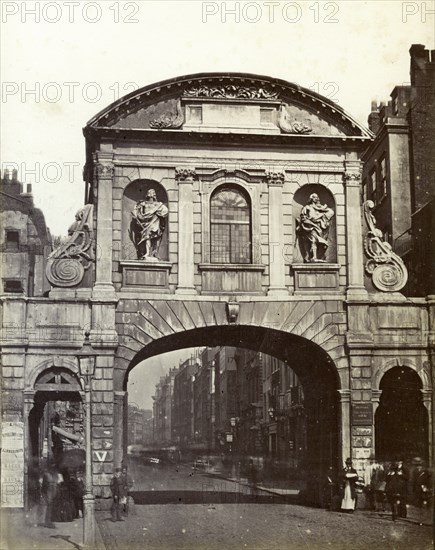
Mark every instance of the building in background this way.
pixel 25 240
pixel 138 420
pixel 250 418
pixel 204 406
pixel 162 408
pixel 399 170
pixel 183 404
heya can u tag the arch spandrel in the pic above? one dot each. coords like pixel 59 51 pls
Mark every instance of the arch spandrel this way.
pixel 57 361
pixel 202 102
pixel 421 370
pixel 142 334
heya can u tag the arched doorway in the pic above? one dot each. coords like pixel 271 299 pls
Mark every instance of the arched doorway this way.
pixel 313 366
pixel 401 420
pixel 55 425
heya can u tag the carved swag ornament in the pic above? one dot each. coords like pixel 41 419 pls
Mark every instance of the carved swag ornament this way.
pixel 231 91
pixel 67 264
pixel 386 268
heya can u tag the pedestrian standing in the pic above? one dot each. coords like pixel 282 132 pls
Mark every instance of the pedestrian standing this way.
pixel 396 491
pixel 49 487
pixel 78 490
pixel 128 485
pixel 421 487
pixel 118 492
pixel 349 479
pixel 374 481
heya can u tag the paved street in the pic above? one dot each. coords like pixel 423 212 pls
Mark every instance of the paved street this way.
pixel 184 511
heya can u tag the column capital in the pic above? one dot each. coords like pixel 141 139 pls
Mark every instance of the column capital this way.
pixel 344 396
pixel 274 178
pixel 352 172
pixel 104 170
pixel 185 175
pixel 352 178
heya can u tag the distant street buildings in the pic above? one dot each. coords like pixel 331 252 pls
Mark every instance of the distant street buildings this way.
pixel 231 400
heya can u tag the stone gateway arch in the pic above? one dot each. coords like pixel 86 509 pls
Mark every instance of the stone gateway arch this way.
pixel 223 209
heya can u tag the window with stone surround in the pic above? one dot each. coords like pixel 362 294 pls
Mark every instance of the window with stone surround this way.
pixel 382 174
pixel 230 226
pixel 372 177
pixel 12 240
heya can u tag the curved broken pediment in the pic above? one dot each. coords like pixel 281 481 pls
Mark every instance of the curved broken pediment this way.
pixel 232 103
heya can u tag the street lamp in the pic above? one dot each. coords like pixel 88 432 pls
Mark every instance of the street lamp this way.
pixel 86 358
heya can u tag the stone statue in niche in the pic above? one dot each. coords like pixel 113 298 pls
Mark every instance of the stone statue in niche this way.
pixel 312 229
pixel 147 226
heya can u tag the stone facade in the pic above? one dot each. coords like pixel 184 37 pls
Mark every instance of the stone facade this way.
pixel 271 144
pixel 399 170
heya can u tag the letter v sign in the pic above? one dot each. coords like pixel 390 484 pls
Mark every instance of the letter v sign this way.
pixel 101 455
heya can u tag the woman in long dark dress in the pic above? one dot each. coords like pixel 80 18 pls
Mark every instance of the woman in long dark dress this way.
pixel 64 507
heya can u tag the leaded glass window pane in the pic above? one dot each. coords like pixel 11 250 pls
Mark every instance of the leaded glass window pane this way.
pixel 230 227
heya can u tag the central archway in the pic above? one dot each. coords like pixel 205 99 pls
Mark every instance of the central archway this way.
pixel 313 366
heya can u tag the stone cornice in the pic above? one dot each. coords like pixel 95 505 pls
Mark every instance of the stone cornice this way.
pixel 143 136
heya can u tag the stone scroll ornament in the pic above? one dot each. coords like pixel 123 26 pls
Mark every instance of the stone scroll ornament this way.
pixel 67 264
pixel 388 272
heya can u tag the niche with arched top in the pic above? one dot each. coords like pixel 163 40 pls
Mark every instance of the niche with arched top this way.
pixel 134 193
pixel 301 199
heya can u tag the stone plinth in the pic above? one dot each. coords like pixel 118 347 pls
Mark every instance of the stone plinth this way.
pixel 316 277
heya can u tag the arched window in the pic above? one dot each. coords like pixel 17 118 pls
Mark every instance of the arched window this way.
pixel 230 227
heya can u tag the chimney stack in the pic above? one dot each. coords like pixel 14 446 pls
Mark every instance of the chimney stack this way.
pixel 374 118
pixel 419 58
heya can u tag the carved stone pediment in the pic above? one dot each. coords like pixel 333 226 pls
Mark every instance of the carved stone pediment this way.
pixel 230 102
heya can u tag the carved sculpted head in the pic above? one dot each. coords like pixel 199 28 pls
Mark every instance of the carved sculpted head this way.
pixel 314 197
pixel 151 194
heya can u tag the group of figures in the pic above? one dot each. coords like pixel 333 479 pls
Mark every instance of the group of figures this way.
pixel 57 496
pixel 148 225
pixel 394 484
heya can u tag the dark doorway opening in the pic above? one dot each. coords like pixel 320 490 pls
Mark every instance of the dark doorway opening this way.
pixel 401 420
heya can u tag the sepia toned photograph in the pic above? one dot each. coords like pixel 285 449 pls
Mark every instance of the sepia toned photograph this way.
pixel 217 286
